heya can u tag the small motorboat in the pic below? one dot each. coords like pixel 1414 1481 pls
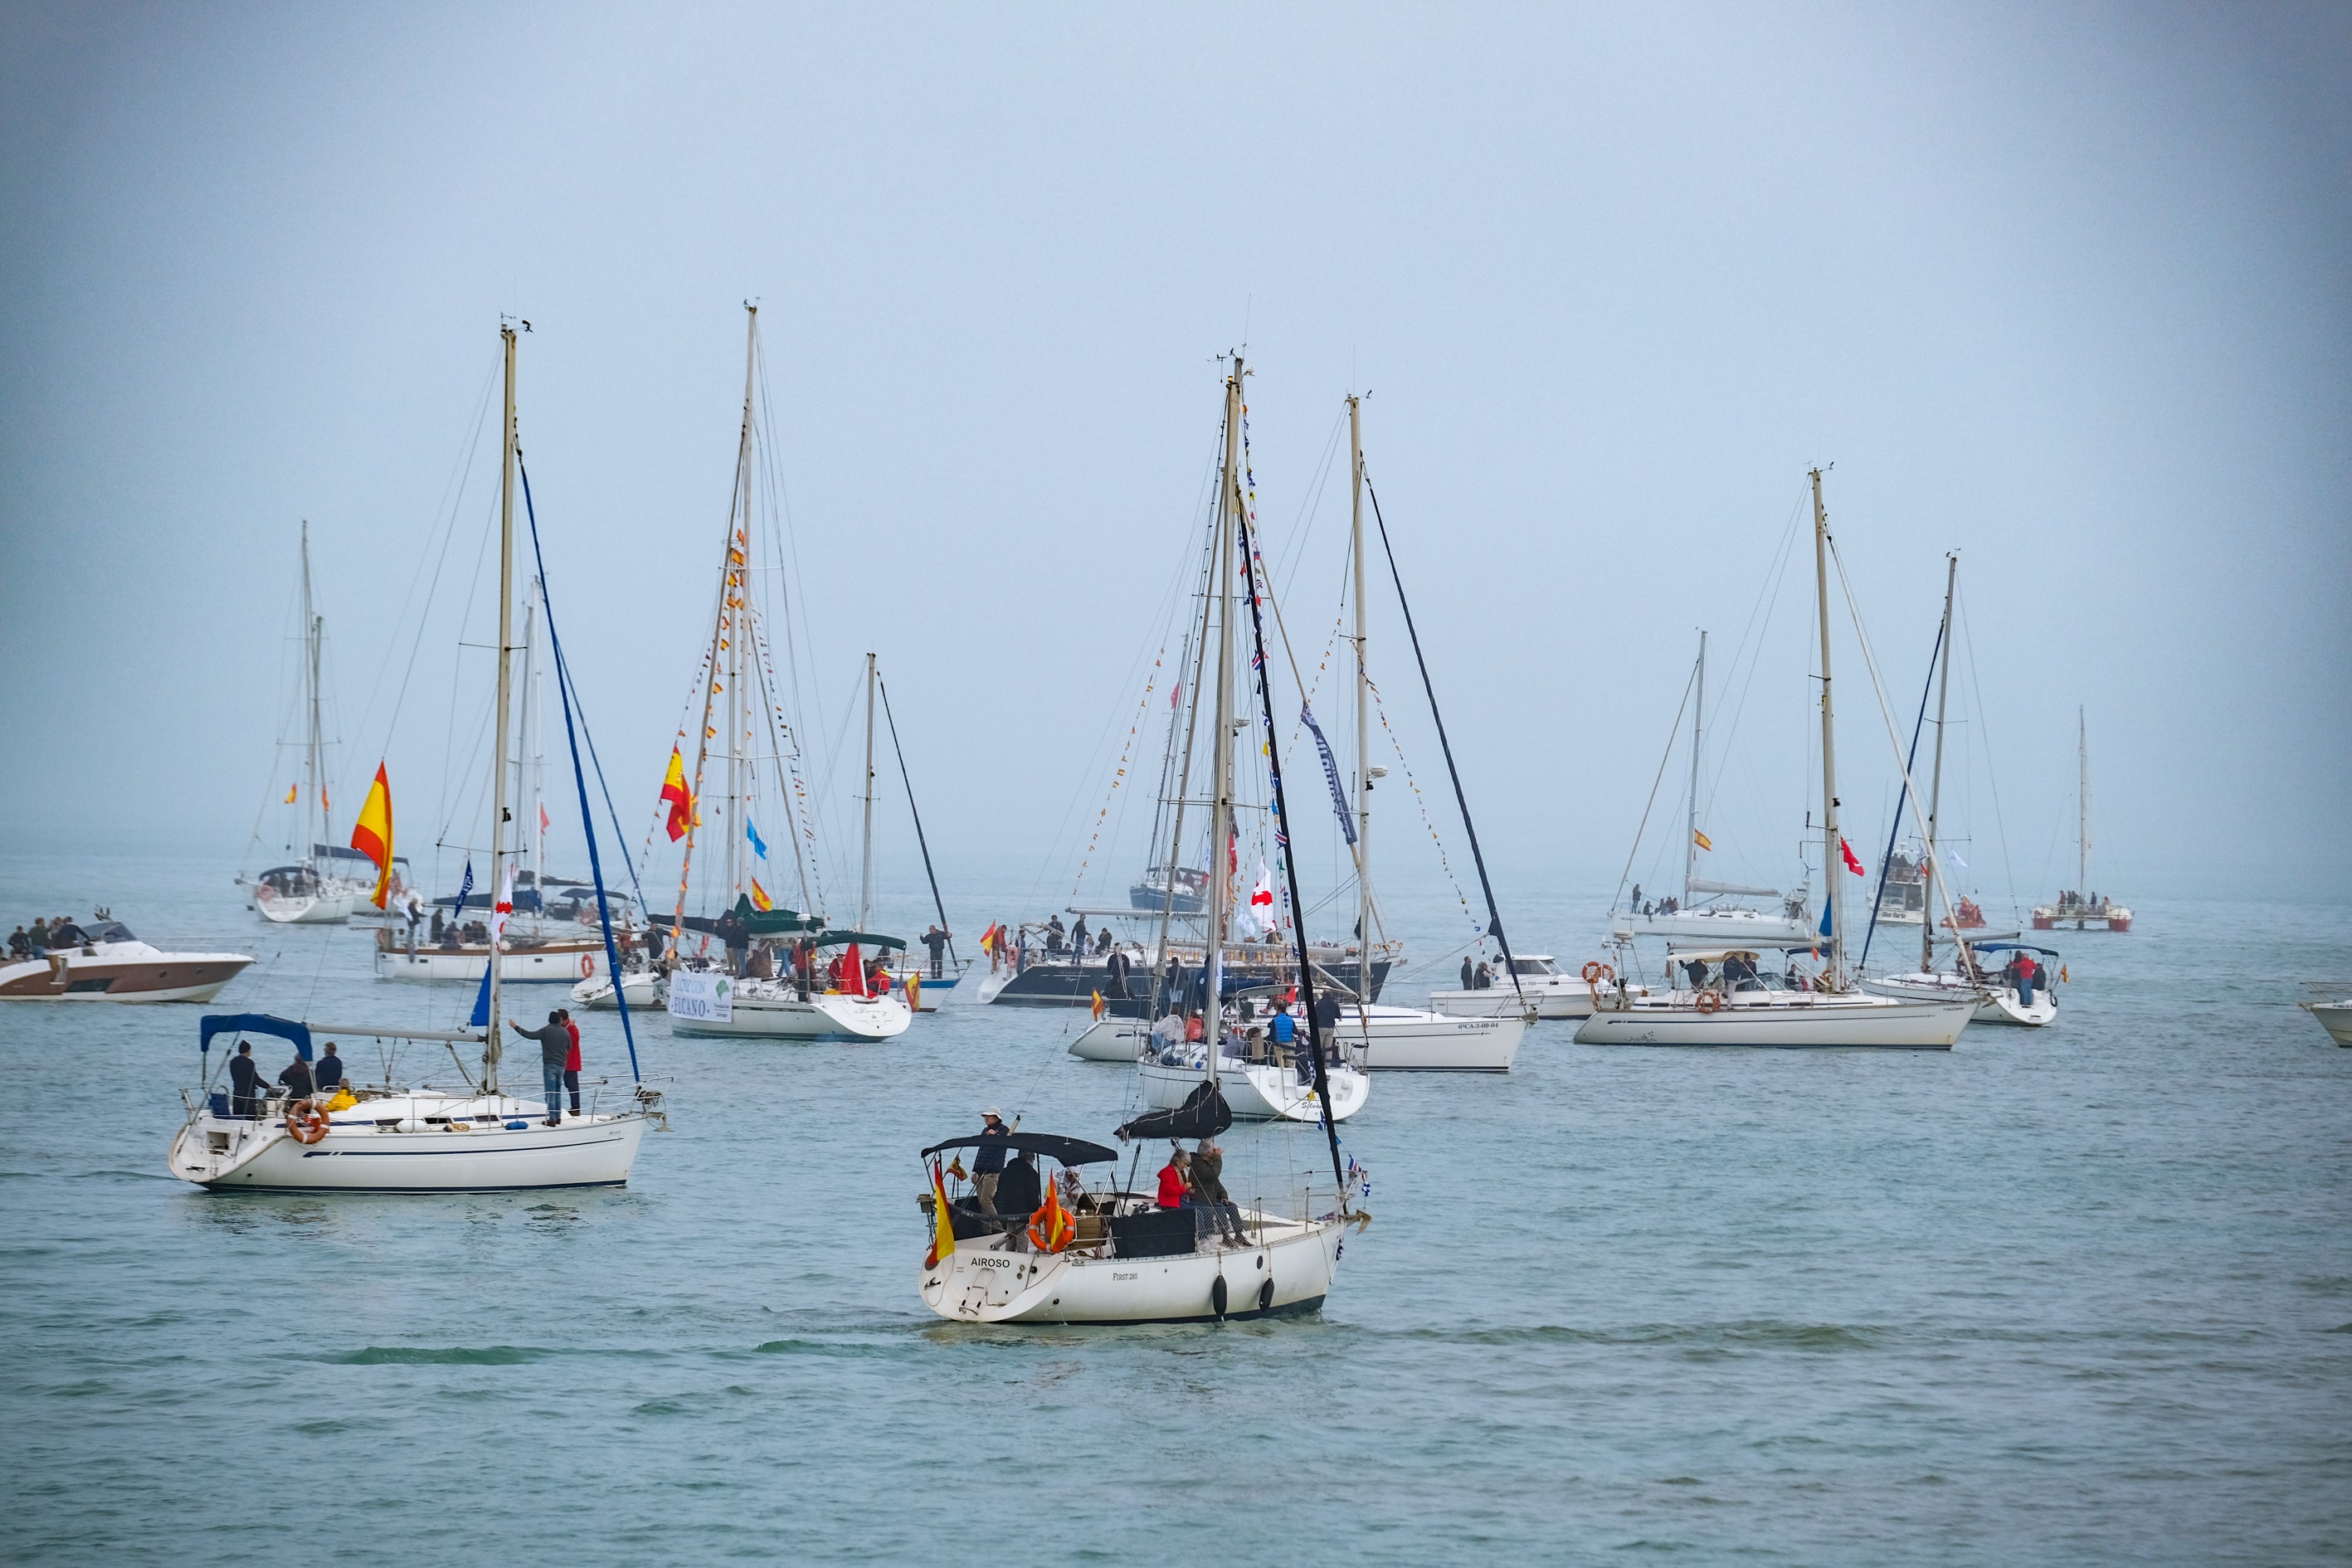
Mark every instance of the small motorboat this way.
pixel 110 964
pixel 1542 985
pixel 2336 1017
pixel 641 987
pixel 1100 1255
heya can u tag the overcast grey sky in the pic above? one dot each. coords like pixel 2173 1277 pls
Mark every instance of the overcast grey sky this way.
pixel 2063 286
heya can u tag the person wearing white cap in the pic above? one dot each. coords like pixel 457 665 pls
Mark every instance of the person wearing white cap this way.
pixel 988 1164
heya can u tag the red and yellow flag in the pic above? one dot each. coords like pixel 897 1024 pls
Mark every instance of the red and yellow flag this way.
pixel 674 791
pixel 942 1231
pixel 760 900
pixel 372 833
pixel 291 791
pixel 1051 1226
pixel 1701 839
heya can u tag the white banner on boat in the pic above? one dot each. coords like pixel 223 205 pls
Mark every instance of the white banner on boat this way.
pixel 701 995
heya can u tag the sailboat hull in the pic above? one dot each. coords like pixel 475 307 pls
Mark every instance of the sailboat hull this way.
pixel 1255 1092
pixel 1720 928
pixel 1551 996
pixel 327 908
pixel 550 965
pixel 1994 1004
pixel 1286 1271
pixel 1785 1020
pixel 360 1153
pixel 765 1010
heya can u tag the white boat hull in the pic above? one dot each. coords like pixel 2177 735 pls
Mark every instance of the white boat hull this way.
pixel 2336 1017
pixel 1255 1092
pixel 1286 1270
pixel 1994 1004
pixel 528 966
pixel 329 906
pixel 360 1154
pixel 1110 1040
pixel 765 1010
pixel 1406 1039
pixel 1720 927
pixel 1791 1020
pixel 121 971
pixel 1554 997
pixel 641 987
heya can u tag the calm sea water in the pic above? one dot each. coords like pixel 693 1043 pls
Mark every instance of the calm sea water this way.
pixel 2077 1296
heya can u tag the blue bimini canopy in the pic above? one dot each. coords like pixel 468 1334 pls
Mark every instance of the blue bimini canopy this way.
pixel 255 1024
pixel 2012 947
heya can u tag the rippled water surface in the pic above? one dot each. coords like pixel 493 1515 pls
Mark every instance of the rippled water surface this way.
pixel 2077 1296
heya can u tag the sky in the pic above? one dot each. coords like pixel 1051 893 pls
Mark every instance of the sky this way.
pixel 2065 288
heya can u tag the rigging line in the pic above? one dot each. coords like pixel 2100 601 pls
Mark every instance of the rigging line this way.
pixel 456 665
pixel 1893 741
pixel 1993 776
pixel 587 818
pixel 453 495
pixel 1777 581
pixel 1674 733
pixel 1895 830
pixel 912 810
pixel 1289 858
pixel 1478 855
pixel 1310 508
pixel 619 838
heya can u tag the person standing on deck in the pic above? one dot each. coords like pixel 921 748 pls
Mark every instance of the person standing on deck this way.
pixel 571 1060
pixel 554 1050
pixel 988 1164
pixel 937 940
pixel 244 1077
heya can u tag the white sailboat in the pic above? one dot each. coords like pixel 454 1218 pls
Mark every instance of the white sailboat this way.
pixel 782 1003
pixel 1757 1008
pixel 2006 996
pixel 386 1138
pixel 308 892
pixel 2078 907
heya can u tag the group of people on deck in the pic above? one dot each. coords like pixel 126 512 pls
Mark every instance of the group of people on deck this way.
pixel 43 937
pixel 301 1081
pixel 1282 1037
pixel 1194 1180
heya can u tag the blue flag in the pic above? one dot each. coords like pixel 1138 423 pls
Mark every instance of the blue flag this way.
pixel 751 832
pixel 480 1019
pixel 466 888
pixel 1330 775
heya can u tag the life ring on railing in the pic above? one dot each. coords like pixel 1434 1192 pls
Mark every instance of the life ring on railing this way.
pixel 587 966
pixel 1594 970
pixel 1710 1000
pixel 306 1122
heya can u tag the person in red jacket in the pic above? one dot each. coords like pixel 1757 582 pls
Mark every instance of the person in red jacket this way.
pixel 1173 1185
pixel 572 1061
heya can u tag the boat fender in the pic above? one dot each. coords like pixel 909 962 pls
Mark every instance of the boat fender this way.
pixel 1217 1296
pixel 1265 1294
pixel 306 1122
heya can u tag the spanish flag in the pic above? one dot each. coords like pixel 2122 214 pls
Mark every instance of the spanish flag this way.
pixel 760 900
pixel 1051 1226
pixel 1701 839
pixel 372 833
pixel 942 1232
pixel 291 791
pixel 673 790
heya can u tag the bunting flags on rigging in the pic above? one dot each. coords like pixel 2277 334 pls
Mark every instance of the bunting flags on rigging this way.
pixel 372 833
pixel 674 791
pixel 291 791
pixel 1331 776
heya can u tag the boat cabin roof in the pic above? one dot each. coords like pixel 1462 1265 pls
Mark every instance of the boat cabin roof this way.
pixel 1068 1151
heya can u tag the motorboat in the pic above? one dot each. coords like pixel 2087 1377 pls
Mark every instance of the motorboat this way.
pixel 383 1139
pixel 1096 1254
pixel 1542 985
pixel 110 964
pixel 2336 1017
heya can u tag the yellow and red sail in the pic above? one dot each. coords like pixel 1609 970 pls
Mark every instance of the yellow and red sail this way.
pixel 674 791
pixel 372 833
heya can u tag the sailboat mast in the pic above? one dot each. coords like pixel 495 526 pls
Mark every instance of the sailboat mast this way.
pixel 494 1029
pixel 865 837
pixel 1699 711
pixel 1363 711
pixel 311 635
pixel 1221 789
pixel 2082 806
pixel 1927 865
pixel 534 726
pixel 1831 859
pixel 737 600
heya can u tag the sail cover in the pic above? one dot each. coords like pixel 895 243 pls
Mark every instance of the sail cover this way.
pixel 1203 1114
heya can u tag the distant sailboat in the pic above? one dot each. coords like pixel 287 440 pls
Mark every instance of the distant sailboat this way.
pixel 2079 908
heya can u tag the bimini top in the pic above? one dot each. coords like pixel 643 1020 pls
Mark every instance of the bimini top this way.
pixel 253 1024
pixel 2012 947
pixel 1068 1151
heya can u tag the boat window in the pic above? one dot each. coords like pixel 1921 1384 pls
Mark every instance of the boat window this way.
pixel 1535 966
pixel 109 931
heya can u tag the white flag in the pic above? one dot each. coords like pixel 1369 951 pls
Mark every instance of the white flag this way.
pixel 1261 900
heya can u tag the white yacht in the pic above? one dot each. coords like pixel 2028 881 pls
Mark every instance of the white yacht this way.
pixel 1543 986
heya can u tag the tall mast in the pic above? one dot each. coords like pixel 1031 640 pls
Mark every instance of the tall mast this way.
pixel 1229 501
pixel 530 783
pixel 1699 709
pixel 1363 712
pixel 1936 786
pixel 311 629
pixel 866 840
pixel 2082 806
pixel 493 1041
pixel 1832 862
pixel 735 603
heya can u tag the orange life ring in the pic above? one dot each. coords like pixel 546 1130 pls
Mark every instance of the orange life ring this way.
pixel 587 966
pixel 1592 968
pixel 306 1122
pixel 1710 1000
